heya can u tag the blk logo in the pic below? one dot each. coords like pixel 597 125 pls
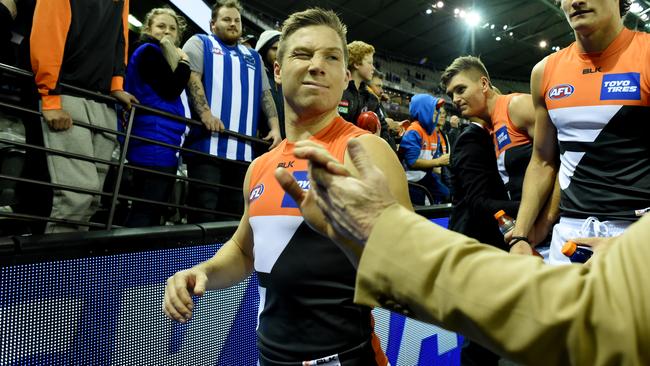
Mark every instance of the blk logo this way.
pixel 591 71
pixel 286 164
pixel 561 91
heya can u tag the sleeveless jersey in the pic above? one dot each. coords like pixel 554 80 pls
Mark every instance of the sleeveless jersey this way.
pixel 306 282
pixel 512 146
pixel 599 106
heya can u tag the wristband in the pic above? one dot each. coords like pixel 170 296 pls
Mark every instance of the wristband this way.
pixel 516 239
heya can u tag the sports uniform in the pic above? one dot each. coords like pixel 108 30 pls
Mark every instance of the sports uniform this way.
pixel 513 147
pixel 599 106
pixel 306 312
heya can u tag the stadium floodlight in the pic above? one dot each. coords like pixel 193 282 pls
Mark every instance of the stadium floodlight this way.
pixel 473 18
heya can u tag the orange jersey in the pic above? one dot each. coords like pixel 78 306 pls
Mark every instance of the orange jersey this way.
pixel 306 282
pixel 598 103
pixel 512 146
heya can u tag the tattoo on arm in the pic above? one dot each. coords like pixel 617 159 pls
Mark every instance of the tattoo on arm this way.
pixel 197 94
pixel 268 105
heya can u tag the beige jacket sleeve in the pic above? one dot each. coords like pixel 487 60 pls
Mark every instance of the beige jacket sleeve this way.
pixel 515 305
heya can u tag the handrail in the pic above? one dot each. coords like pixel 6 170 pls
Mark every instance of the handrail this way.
pixel 108 99
pixel 121 164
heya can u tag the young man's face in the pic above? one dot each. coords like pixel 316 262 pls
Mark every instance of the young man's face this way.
pixel 366 69
pixel 313 71
pixel 467 90
pixel 590 15
pixel 227 25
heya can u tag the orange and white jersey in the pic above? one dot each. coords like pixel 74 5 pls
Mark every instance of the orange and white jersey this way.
pixel 512 146
pixel 306 283
pixel 599 104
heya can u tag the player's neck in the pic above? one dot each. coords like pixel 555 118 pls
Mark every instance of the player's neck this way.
pixel 491 105
pixel 600 39
pixel 301 126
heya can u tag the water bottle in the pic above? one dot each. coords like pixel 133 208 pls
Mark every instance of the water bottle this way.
pixel 577 253
pixel 506 223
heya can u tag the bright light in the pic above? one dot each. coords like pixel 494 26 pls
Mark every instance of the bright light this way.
pixel 498 38
pixel 456 11
pixel 644 17
pixel 636 8
pixel 510 34
pixel 486 25
pixel 505 27
pixel 134 21
pixel 473 19
pixel 543 44
pixel 462 14
pixel 491 26
pixel 440 4
pixel 429 11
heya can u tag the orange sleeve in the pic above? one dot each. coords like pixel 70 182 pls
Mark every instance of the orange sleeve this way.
pixel 49 33
pixel 117 82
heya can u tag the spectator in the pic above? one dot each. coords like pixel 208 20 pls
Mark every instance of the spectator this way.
pixel 267 46
pixel 357 98
pixel 227 84
pixel 376 86
pixel 157 74
pixel 421 151
pixel 90 55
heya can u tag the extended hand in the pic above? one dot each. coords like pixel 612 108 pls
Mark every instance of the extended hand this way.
pixel 178 304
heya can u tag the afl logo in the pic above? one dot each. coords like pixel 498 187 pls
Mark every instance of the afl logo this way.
pixel 561 91
pixel 256 192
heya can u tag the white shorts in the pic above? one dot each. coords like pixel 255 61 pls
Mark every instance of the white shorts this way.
pixel 569 228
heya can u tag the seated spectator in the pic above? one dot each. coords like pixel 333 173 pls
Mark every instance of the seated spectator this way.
pixel 157 74
pixel 421 152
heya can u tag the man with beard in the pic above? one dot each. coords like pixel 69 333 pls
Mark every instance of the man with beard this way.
pixel 226 86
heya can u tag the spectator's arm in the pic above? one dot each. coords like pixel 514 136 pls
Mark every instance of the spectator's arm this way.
pixel 121 51
pixel 50 27
pixel 411 146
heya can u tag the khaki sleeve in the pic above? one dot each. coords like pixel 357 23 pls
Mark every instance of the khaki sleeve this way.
pixel 515 305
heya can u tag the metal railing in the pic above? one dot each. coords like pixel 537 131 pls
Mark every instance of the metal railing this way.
pixel 37 247
pixel 120 164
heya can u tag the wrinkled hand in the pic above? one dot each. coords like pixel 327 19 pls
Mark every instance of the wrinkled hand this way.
pixel 599 245
pixel 351 205
pixel 178 304
pixel 211 122
pixel 124 98
pixel 275 138
pixel 57 119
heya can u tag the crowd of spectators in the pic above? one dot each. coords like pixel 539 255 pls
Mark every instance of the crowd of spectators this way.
pixel 237 93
